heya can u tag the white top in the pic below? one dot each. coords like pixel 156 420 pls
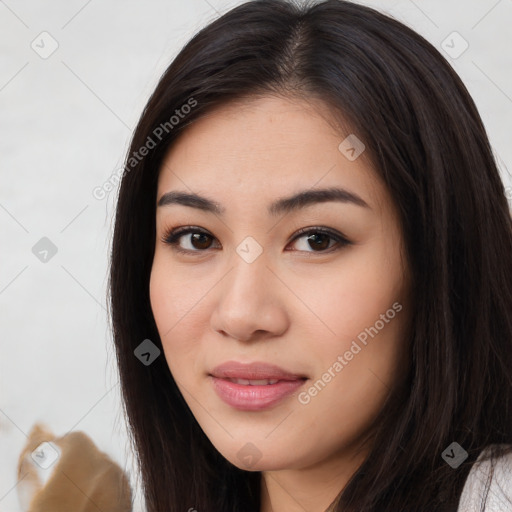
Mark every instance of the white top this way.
pixel 499 498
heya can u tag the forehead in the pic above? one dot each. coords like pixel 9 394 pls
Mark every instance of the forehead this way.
pixel 265 147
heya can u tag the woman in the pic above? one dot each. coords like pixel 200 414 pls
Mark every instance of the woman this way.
pixel 312 230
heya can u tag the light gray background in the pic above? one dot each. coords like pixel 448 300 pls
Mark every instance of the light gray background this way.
pixel 65 125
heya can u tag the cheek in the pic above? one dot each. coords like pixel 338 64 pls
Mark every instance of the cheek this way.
pixel 353 295
pixel 172 296
pixel 160 295
pixel 176 306
pixel 353 379
pixel 364 309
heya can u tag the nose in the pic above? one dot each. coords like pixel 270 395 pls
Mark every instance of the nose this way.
pixel 250 302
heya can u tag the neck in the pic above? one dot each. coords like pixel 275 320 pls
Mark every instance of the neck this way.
pixel 310 489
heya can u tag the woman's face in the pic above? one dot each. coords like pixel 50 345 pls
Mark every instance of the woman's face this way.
pixel 330 315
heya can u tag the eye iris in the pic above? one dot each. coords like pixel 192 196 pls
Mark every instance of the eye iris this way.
pixel 318 244
pixel 200 237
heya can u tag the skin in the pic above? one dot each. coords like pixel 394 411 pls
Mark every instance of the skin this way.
pixel 295 306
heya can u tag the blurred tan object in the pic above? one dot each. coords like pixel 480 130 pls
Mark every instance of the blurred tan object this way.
pixel 69 474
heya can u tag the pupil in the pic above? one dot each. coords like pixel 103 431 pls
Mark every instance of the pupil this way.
pixel 196 238
pixel 318 244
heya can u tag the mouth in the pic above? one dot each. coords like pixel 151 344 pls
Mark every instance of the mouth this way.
pixel 255 386
pixel 259 382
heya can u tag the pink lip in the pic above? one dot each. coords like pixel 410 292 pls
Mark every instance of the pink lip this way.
pixel 254 398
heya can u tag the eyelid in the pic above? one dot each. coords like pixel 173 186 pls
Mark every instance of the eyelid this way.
pixel 172 235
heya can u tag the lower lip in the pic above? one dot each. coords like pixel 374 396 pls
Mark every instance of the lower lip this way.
pixel 254 398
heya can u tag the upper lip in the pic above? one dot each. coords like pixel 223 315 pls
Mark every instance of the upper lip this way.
pixel 253 371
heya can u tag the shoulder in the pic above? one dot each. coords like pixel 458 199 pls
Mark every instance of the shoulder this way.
pixel 499 497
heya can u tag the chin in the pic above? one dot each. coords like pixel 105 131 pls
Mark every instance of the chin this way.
pixel 250 458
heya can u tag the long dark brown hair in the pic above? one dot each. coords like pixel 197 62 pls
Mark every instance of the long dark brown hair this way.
pixel 425 138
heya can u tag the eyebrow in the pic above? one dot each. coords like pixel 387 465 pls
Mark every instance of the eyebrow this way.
pixel 280 206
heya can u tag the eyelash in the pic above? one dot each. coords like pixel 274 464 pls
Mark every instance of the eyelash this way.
pixel 171 237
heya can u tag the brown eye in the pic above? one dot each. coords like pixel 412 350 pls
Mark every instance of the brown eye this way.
pixel 191 239
pixel 319 240
pixel 195 240
pixel 200 240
